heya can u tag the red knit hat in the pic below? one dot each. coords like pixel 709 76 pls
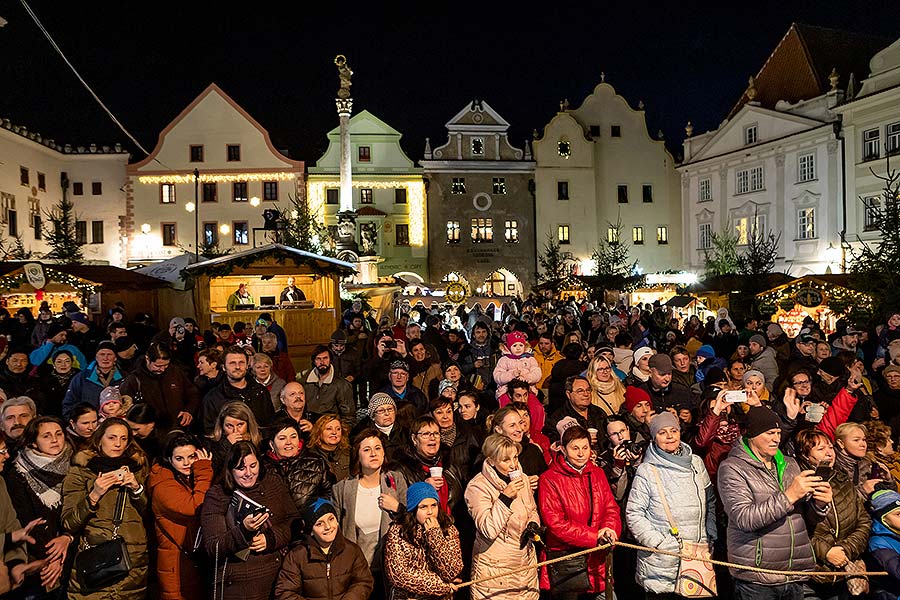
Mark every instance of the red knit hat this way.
pixel 516 336
pixel 634 396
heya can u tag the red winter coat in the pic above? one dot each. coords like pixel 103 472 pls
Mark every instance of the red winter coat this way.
pixel 564 495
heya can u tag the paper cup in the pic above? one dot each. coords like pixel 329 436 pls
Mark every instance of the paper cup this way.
pixel 515 474
pixel 436 472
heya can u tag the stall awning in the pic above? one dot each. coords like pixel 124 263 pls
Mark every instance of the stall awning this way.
pixel 684 302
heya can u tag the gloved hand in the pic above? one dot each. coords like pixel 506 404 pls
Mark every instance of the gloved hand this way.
pixel 533 533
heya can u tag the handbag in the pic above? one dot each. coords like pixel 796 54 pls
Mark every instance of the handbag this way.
pixel 570 576
pixel 107 562
pixel 696 577
pixel 859 584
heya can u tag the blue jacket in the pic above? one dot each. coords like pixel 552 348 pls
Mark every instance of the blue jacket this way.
pixel 86 387
pixel 43 353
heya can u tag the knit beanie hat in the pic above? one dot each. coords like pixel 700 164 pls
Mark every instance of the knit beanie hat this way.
pixel 714 376
pixel 634 396
pixel 515 336
pixel 444 384
pixel 661 421
pixel 80 317
pixel 315 510
pixel 706 351
pixel 884 502
pixel 110 394
pixel 760 420
pixel 758 339
pixel 399 364
pixel 749 373
pixel 641 353
pixel 54 330
pixel 379 399
pixel 106 345
pixel 833 366
pixel 417 492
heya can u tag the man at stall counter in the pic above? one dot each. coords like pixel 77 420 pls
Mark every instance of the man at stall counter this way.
pixel 240 296
pixel 291 293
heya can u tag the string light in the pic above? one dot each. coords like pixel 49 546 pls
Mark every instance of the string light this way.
pixel 218 177
pixel 12 282
pixel 838 296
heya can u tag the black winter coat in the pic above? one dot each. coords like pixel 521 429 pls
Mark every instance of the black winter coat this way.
pixel 306 476
pixel 254 395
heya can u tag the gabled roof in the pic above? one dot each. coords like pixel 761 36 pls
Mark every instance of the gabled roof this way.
pixel 278 249
pixel 358 127
pixel 106 275
pixel 370 211
pixel 478 114
pixel 799 67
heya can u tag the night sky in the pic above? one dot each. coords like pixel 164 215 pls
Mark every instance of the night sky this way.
pixel 414 69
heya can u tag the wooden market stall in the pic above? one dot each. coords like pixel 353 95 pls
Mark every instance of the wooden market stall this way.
pixel 265 270
pixel 825 298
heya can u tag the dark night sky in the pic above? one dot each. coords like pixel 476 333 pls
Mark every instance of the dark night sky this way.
pixel 414 69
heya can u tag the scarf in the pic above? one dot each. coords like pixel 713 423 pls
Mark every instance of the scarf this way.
pixel 105 464
pixel 637 373
pixel 385 430
pixel 105 380
pixel 448 435
pixel 523 355
pixel 609 393
pixel 44 474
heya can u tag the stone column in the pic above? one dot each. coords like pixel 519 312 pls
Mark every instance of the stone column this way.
pixel 346 242
pixel 344 108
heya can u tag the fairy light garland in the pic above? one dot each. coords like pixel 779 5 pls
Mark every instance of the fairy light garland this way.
pixel 12 282
pixel 838 298
pixel 218 177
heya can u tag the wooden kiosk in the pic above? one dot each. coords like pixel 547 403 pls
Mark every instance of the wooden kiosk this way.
pixel 265 270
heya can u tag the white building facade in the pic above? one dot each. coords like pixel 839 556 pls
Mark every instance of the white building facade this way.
pixel 32 169
pixel 597 165
pixel 240 174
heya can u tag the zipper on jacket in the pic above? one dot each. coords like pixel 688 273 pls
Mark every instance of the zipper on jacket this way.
pixel 328 576
pixel 791 558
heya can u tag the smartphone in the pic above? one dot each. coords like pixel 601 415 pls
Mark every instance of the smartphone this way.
pixel 823 470
pixel 736 396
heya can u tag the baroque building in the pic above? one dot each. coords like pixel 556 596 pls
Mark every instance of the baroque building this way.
pixel 481 222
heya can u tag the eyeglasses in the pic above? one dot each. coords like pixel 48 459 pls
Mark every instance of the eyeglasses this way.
pixel 617 434
pixel 802 382
pixel 429 434
pixel 385 410
pixel 581 391
pixel 604 369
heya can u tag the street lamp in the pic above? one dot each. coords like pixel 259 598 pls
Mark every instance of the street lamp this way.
pixel 145 228
pixel 254 201
pixel 224 229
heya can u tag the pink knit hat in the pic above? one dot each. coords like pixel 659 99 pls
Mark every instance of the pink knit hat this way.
pixel 516 336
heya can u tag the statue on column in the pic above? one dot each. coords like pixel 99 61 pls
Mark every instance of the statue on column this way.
pixel 345 74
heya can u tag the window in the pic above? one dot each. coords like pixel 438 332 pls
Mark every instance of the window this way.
pixel 241 233
pixel 662 235
pixel 23 176
pixel 168 234
pixel 81 232
pixel 705 191
pixel 458 186
pixel 477 146
pixel 751 135
pixel 332 196
pixel 210 233
pixel 482 231
pixel 499 185
pixel 232 154
pixel 806 224
pixel 511 232
pixel 893 141
pixel 196 153
pixel 622 192
pixel 806 167
pixel 704 236
pixel 365 196
pixel 452 232
pixel 77 189
pixel 37 224
pixel 615 131
pixel 595 131
pixel 564 148
pixel 562 234
pixel 12 219
pixel 239 191
pixel 96 188
pixel 871 142
pixel 399 195
pixel 612 235
pixel 402 231
pixel 747 227
pixel 562 190
pixel 364 153
pixel 647 193
pixel 167 193
pixel 270 191
pixel 637 235
pixel 872 208
pixel 42 182
pixel 96 232
pixel 750 180
pixel 210 192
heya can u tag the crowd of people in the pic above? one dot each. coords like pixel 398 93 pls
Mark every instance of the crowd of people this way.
pixel 446 454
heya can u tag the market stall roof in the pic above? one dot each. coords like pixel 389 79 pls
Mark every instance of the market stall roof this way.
pixel 830 279
pixel 325 263
pixel 683 301
pixel 727 283
pixel 106 275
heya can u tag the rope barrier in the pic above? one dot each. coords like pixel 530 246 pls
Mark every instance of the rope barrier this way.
pixel 721 563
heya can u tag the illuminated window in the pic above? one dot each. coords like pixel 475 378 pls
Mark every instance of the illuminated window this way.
pixel 612 235
pixel 562 234
pixel 452 232
pixel 233 152
pixel 562 190
pixel 210 192
pixel 499 185
pixel 704 236
pixel 622 192
pixel 365 154
pixel 662 235
pixel 332 196
pixel 167 193
pixel 270 191
pixel 477 146
pixel 169 237
pixel 511 232
pixel 893 140
pixel 806 167
pixel 747 227
pixel 402 232
pixel 458 186
pixel 806 224
pixel 196 153
pixel 705 191
pixel 241 233
pixel 210 233
pixel 564 148
pixel 637 235
pixel 365 196
pixel 239 191
pixel 482 231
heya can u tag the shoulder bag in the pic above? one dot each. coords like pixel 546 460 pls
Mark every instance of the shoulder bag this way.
pixel 570 576
pixel 696 577
pixel 108 562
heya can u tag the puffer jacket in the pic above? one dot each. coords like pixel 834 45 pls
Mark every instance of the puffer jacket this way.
pixel 764 528
pixel 425 568
pixel 96 526
pixel 310 574
pixel 691 499
pixel 86 387
pixel 499 525
pixel 169 393
pixel 766 363
pixel 575 506
pixel 306 476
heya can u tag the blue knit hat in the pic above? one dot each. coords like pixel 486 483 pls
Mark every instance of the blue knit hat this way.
pixel 315 510
pixel 417 492
pixel 706 351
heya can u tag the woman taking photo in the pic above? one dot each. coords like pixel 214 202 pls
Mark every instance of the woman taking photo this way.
pixel 607 391
pixel 369 500
pixel 670 475
pixel 843 535
pixel 82 425
pixel 177 486
pixel 422 557
pixel 578 508
pixel 110 472
pixel 305 474
pixel 503 508
pixel 246 550
pixel 327 440
pixel 234 423
pixel 35 483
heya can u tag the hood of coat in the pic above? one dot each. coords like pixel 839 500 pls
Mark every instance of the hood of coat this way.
pixel 664 460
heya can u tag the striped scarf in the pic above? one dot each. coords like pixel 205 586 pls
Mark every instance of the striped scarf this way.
pixel 44 474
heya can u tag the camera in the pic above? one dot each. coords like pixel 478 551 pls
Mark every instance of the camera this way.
pixel 179 329
pixel 391 344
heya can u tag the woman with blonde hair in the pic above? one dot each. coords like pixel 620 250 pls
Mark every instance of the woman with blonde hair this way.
pixel 850 457
pixel 329 440
pixel 234 423
pixel 504 510
pixel 607 392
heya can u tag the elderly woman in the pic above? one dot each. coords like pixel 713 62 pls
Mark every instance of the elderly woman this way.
pixel 503 509
pixel 263 372
pixel 607 391
pixel 669 475
pixel 578 508
pixel 842 536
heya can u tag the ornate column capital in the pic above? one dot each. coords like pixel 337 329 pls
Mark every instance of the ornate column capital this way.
pixel 344 106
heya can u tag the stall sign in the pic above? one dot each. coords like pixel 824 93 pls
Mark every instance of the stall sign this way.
pixel 34 273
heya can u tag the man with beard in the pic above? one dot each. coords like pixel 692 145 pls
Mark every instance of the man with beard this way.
pixel 547 355
pixel 166 389
pixel 478 363
pixel 87 385
pixel 14 377
pixel 15 414
pixel 326 391
pixel 237 386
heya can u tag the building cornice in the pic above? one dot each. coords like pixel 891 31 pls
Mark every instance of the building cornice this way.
pixel 756 149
